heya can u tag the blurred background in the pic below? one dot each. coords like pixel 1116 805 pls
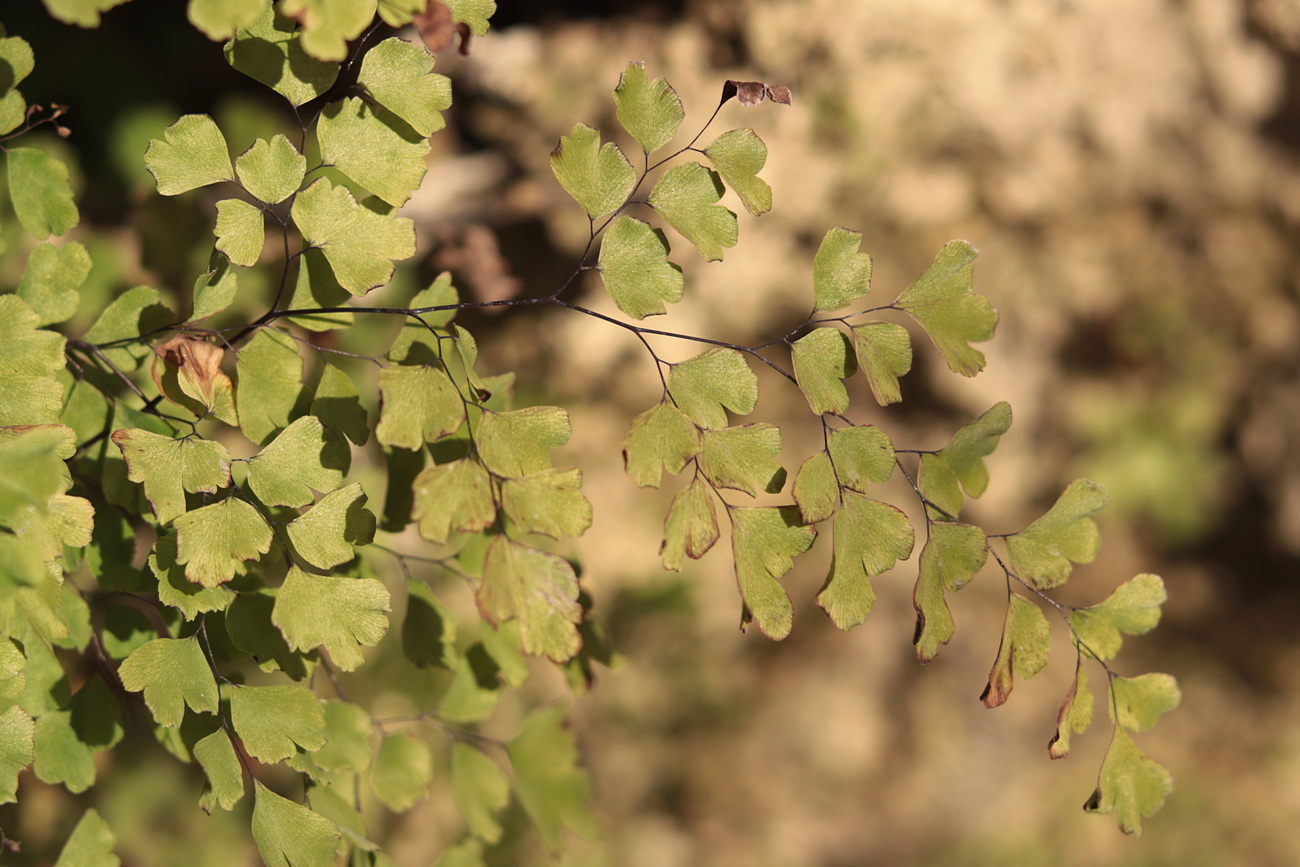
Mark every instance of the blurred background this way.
pixel 1130 170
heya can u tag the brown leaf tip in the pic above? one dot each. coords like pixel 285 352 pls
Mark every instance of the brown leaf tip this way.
pixel 754 92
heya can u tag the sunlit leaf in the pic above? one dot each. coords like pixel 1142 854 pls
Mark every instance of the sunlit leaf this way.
pixel 518 442
pixel 240 231
pixel 481 790
pixel 214 290
pixel 1026 639
pixel 250 627
pixel 137 312
pixel 271 171
pixel 743 458
pixel 651 111
pixel 29 393
pixel 453 496
pixel 739 155
pixel 662 439
pixel 941 302
pixel 1041 553
pixel 40 193
pixel 173 673
pixel 417 405
pixel 550 503
pixel 1140 701
pixel 270 51
pixel 841 275
pixel 178 591
pixel 91 842
pixel 192 154
pixel 338 614
pixel 348 730
pixel 598 176
pixel 359 243
pixel 860 454
pixel 213 541
pixel 60 756
pixel 303 457
pixel 169 467
pixel 327 27
pixel 822 358
pixel 187 371
pixel 952 555
pixel 707 385
pixel 691 527
pixel 552 788
pixel 373 147
pixel 288 834
pixel 420 340
pixel 884 352
pixel 634 265
pixel 400 76
pixel 815 489
pixel 16 746
pixel 960 465
pixel 273 722
pixel 1131 785
pixel 686 196
pixel 538 588
pixel 219 19
pixel 869 537
pixel 764 543
pixel 1132 607
pixel 217 756
pixel 325 536
pixel 475 13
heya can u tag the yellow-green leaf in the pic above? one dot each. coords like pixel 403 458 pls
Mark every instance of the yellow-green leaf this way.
pixel 841 275
pixel 822 359
pixel 1026 639
pixel 706 386
pixel 1041 553
pixel 691 527
pixel 764 542
pixel 960 465
pixel 1131 785
pixel 598 176
pixel 1132 607
pixel 538 588
pixel 884 352
pixel 952 555
pixel 686 196
pixel 869 537
pixel 191 154
pixel 942 303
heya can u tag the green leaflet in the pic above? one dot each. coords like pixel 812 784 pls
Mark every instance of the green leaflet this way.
pixel 538 588
pixel 359 243
pixel 169 467
pixel 707 385
pixel 635 268
pixel 941 302
pixel 599 177
pixel 1138 702
pixel 172 673
pixel 315 288
pixel 215 289
pixel 400 76
pixel 334 801
pixel 417 405
pixel 952 555
pixel 691 527
pixel 662 439
pixel 29 393
pixel 191 154
pixel 288 834
pixel 1131 785
pixel 429 632
pixel 861 454
pixel 651 111
pixel 17 732
pixel 271 171
pixel 95 717
pixel 337 403
pixel 17 55
pixel 274 722
pixel 418 342
pixel 1042 552
pixel 338 614
pixel 325 536
pixel 91 842
pixel 475 690
pixel 686 196
pixel 822 358
pixel 884 353
pixel 1074 715
pixel 250 627
pixel 549 503
pixel 960 465
pixel 402 771
pixel 176 590
pixel 475 13
pixel 219 19
pixel 60 756
pixel 40 193
pixel 303 457
pixel 1132 607
pixel 1026 638
pixel 453 496
pixel 551 787
pixel 743 458
pixel 502 644
pixel 51 279
pixel 348 730
pixel 373 147
pixel 12 678
pixel 481 791
pixel 739 155
pixel 815 489
pixel 216 755
pixel 328 27
pixel 517 443
pixel 136 312
pixel 869 537
pixel 764 543
pixel 240 231
pixel 213 541
pixel 841 275
pixel 271 51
